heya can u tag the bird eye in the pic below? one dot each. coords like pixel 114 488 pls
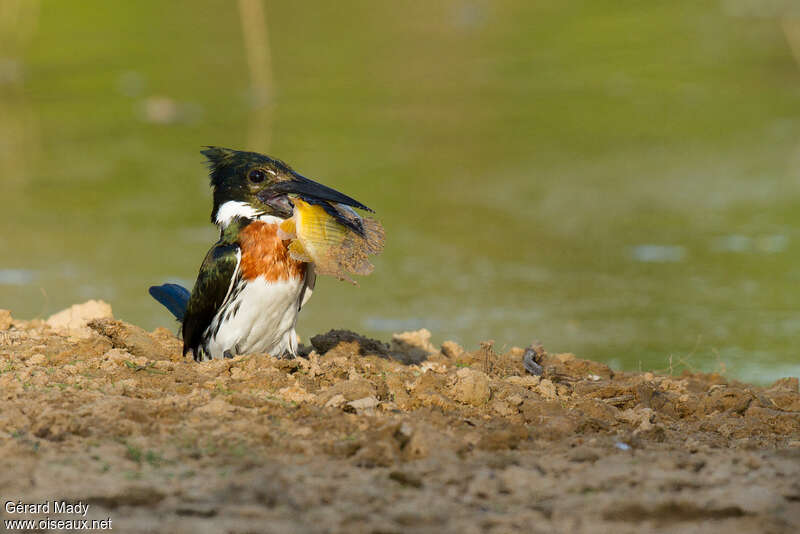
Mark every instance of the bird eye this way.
pixel 257 176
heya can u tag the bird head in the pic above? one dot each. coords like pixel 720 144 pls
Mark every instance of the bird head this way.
pixel 252 185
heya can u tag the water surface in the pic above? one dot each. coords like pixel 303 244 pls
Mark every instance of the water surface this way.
pixel 614 179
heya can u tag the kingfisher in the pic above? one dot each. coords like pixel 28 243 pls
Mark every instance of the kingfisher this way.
pixel 250 287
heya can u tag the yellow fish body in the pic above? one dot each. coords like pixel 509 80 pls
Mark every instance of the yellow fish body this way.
pixel 335 249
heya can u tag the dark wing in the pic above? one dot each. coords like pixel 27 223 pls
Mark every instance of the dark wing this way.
pixel 210 290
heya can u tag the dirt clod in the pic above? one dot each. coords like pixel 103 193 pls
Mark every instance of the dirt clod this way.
pixel 322 343
pixel 73 321
pixel 5 320
pixel 471 387
pixel 451 349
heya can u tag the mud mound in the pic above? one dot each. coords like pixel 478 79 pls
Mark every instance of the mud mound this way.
pixel 365 436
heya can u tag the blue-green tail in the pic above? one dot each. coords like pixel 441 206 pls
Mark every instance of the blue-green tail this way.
pixel 173 297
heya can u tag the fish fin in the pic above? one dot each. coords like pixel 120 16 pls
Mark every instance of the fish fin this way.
pixel 298 252
pixel 287 230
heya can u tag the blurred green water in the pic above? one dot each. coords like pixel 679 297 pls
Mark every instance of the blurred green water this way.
pixel 615 179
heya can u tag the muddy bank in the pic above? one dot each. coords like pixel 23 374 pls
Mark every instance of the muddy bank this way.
pixel 367 436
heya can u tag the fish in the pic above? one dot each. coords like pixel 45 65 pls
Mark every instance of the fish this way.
pixel 334 237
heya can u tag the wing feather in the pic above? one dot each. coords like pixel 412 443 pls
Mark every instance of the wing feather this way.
pixel 214 283
pixel 308 286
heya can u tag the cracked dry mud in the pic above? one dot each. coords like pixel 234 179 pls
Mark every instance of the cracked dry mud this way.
pixel 362 436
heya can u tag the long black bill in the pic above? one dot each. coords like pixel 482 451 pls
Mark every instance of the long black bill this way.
pixel 313 192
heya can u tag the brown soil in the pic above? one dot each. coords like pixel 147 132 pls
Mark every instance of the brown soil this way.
pixel 362 436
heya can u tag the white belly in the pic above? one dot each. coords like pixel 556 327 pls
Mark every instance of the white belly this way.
pixel 259 316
